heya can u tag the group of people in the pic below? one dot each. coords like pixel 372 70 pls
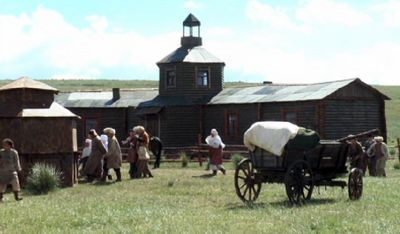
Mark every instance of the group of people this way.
pixel 102 154
pixel 371 155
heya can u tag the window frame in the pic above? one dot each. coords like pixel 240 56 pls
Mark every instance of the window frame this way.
pixel 166 78
pixel 227 124
pixel 285 112
pixel 203 69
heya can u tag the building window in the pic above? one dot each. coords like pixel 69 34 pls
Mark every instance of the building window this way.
pixel 232 124
pixel 170 78
pixel 90 124
pixel 202 78
pixel 290 116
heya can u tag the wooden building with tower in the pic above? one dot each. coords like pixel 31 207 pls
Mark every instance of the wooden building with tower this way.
pixel 191 100
pixel 42 130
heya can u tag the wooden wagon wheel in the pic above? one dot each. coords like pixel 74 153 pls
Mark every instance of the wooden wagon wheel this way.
pixel 355 184
pixel 247 188
pixel 299 182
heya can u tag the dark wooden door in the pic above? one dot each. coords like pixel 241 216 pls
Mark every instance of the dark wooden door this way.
pixel 152 124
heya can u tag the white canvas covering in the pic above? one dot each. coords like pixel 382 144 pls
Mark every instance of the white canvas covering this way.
pixel 271 136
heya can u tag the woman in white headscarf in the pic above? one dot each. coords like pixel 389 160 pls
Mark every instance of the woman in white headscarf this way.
pixel 216 147
pixel 87 150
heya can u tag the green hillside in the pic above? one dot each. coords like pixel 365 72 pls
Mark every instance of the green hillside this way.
pixel 392 106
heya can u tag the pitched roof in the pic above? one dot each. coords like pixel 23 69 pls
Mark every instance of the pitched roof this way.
pixel 191 20
pixel 104 99
pixel 27 83
pixel 55 110
pixel 190 55
pixel 283 92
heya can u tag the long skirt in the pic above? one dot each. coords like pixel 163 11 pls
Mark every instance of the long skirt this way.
pixel 380 166
pixel 143 168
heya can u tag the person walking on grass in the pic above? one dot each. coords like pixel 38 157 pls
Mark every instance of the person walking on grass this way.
pixel 371 159
pixel 9 169
pixel 113 155
pixel 132 153
pixel 143 152
pixel 216 147
pixel 94 165
pixel 356 154
pixel 106 172
pixel 381 152
pixel 85 154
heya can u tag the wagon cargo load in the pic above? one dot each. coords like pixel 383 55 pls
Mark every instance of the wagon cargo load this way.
pixel 273 136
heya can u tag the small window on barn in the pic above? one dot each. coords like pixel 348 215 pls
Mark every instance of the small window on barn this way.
pixel 170 78
pixel 202 79
pixel 232 124
pixel 290 116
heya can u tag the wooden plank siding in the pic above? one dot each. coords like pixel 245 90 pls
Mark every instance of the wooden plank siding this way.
pixel 106 117
pixel 179 125
pixel 344 117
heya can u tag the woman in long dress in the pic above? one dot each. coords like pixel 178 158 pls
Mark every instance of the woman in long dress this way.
pixel 381 152
pixel 94 165
pixel 113 155
pixel 132 153
pixel 143 152
pixel 216 147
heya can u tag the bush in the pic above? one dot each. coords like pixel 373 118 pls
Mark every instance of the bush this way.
pixel 184 159
pixel 396 166
pixel 236 158
pixel 392 151
pixel 43 178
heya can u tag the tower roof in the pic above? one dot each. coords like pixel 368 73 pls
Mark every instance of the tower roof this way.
pixel 190 55
pixel 191 21
pixel 27 83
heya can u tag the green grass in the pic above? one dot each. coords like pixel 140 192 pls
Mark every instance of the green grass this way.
pixel 180 201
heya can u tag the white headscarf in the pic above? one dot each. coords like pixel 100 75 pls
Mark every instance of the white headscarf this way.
pixel 104 140
pixel 87 150
pixel 214 140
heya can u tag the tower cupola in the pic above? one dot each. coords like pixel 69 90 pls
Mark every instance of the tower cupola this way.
pixel 190 39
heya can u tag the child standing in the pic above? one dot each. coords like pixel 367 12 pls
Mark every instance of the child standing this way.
pixel 9 168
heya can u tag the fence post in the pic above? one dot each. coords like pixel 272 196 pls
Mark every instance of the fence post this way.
pixel 199 150
pixel 398 148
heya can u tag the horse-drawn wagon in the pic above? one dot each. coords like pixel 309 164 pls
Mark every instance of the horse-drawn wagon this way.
pixel 281 152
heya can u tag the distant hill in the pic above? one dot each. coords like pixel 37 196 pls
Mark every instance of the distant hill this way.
pixel 392 106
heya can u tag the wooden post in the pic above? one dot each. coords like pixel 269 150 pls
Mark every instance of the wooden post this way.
pixel 398 147
pixel 199 150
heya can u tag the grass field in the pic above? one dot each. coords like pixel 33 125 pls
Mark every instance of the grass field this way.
pixel 179 200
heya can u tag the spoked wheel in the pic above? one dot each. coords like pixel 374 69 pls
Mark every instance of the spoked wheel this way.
pixel 247 188
pixel 355 184
pixel 299 182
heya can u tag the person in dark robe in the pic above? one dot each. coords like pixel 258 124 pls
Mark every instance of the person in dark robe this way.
pixel 371 159
pixel 132 158
pixel 94 165
pixel 156 146
pixel 356 153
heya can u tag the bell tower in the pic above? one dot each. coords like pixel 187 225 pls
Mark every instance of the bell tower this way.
pixel 190 72
pixel 189 38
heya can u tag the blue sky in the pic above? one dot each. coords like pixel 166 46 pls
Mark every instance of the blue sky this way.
pixel 281 41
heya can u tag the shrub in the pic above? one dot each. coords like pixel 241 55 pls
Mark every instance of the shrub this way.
pixel 236 158
pixel 43 178
pixel 392 151
pixel 396 166
pixel 184 159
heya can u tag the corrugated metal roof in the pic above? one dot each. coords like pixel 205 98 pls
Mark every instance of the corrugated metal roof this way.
pixel 279 93
pixel 190 55
pixel 27 83
pixel 161 101
pixel 104 99
pixel 55 110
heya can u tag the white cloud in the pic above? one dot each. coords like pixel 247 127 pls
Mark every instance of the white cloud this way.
pixel 389 12
pixel 77 51
pixel 273 16
pixel 193 5
pixel 330 11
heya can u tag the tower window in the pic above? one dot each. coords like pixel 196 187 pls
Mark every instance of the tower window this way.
pixel 202 78
pixel 170 78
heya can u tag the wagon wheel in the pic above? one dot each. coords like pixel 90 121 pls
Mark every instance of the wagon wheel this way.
pixel 299 182
pixel 355 185
pixel 246 185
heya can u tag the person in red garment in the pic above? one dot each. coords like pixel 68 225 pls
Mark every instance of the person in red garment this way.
pixel 216 147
